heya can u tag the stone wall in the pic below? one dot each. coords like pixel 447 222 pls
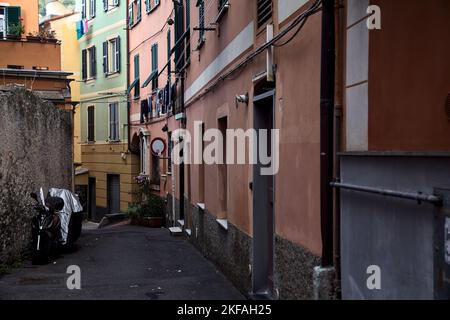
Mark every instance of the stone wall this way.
pixel 35 151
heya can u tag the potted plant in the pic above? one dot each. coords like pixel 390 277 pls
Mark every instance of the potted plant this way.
pixel 15 31
pixel 149 210
pixel 34 37
pixel 50 36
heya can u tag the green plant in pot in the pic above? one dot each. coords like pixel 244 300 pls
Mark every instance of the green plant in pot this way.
pixel 149 210
pixel 15 30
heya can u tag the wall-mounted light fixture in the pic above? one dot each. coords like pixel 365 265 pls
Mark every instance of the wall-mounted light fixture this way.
pixel 243 98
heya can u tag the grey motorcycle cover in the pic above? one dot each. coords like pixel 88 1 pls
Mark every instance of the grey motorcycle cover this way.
pixel 71 204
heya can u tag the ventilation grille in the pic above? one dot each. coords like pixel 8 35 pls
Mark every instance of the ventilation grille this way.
pixel 264 12
pixel 447 107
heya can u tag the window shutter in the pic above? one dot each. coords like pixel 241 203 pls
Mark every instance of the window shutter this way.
pixel 105 5
pixel 147 6
pixel 116 121
pixel 91 124
pixel 94 8
pixel 84 64
pixel 156 2
pixel 110 122
pixel 130 15
pixel 201 14
pixel 105 57
pixel 94 61
pixel 264 12
pixel 138 6
pixel 12 16
pixel 117 53
pixel 83 9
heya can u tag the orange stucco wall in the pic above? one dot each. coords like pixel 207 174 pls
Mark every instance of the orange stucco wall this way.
pixel 29 54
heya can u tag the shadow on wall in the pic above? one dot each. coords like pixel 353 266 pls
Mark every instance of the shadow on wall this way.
pixel 35 151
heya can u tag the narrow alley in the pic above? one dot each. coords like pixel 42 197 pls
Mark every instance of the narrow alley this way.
pixel 127 263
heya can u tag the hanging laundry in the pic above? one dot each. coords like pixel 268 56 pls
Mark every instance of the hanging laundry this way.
pixel 144 111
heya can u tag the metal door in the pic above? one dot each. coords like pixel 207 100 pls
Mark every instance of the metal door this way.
pixel 263 204
pixel 113 193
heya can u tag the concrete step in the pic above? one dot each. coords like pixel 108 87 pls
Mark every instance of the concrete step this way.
pixel 176 231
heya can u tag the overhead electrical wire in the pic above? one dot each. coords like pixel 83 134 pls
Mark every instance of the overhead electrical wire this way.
pixel 299 21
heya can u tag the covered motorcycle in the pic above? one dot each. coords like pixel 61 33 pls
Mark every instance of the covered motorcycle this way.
pixel 57 225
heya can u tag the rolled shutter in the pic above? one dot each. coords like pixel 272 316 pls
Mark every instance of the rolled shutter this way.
pixel 105 57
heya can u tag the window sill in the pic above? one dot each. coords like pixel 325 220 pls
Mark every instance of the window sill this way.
pixel 114 141
pixel 112 10
pixel 188 232
pixel 201 206
pixel 112 74
pixel 223 223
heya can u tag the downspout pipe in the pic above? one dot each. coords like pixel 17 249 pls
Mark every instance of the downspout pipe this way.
pixel 128 85
pixel 326 130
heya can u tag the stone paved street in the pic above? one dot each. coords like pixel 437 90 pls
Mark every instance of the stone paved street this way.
pixel 123 262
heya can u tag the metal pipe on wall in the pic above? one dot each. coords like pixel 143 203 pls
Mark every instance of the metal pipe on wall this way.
pixel 327 130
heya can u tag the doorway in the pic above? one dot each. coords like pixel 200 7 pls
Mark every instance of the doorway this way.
pixel 92 200
pixel 113 190
pixel 263 202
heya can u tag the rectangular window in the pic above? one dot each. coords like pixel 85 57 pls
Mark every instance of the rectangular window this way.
pixel 114 121
pixel 92 4
pixel 111 56
pixel 201 21
pixel 155 65
pixel 137 91
pixel 264 12
pixel 91 123
pixel 138 11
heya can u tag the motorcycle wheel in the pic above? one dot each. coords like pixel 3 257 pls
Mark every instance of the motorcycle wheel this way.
pixel 43 255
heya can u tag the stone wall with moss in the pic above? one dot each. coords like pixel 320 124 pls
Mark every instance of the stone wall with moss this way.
pixel 35 151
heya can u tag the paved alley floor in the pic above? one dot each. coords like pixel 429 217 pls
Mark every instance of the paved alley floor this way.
pixel 123 262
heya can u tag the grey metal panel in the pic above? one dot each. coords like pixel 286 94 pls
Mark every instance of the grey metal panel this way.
pixel 395 234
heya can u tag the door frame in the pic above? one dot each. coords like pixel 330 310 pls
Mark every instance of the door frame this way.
pixel 258 288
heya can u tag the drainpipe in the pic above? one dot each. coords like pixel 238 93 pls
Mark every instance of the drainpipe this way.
pixel 128 84
pixel 326 130
pixel 338 112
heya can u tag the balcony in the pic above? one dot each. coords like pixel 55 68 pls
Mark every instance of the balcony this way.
pixel 32 54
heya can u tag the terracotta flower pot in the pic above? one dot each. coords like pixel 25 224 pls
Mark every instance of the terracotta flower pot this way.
pixel 148 222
